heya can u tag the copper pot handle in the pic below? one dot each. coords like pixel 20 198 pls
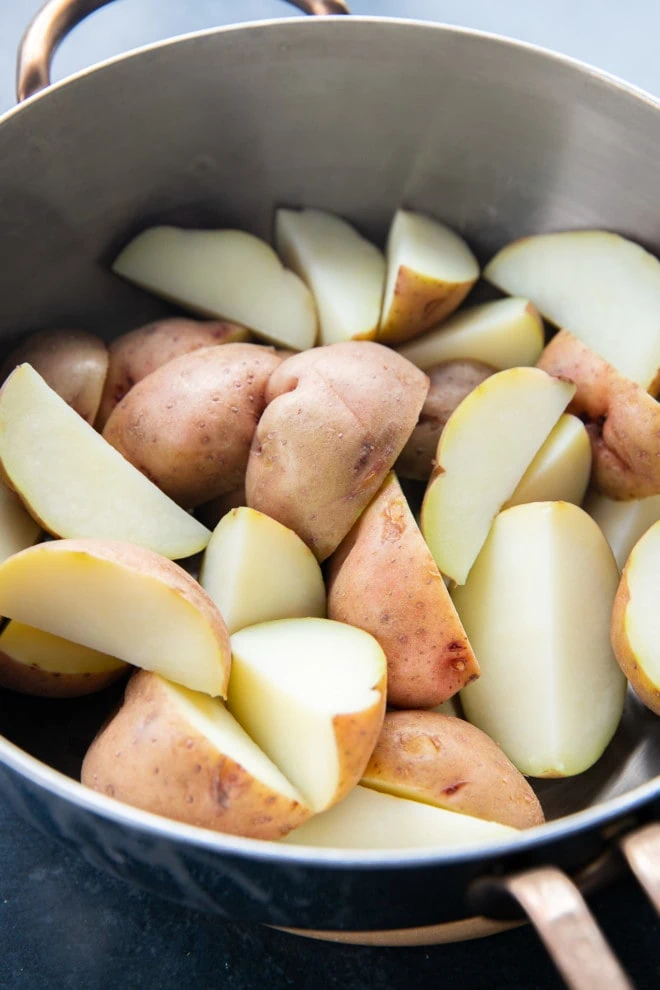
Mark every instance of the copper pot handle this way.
pixel 57 18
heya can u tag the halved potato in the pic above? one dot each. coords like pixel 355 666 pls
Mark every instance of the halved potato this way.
pixel 257 570
pixel 484 450
pixel 446 762
pixel 636 619
pixel 504 333
pixel 345 272
pixel 180 754
pixel 561 468
pixel 75 484
pixel 430 270
pixel 35 662
pixel 536 607
pixel 366 819
pixel 225 273
pixel 623 523
pixel 601 287
pixel 311 693
pixel 383 579
pixel 123 601
pixel 18 529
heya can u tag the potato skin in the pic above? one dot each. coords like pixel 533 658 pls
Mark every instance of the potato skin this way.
pixel 188 425
pixel 74 363
pixel 336 419
pixel 26 679
pixel 150 757
pixel 639 680
pixel 451 381
pixel 383 579
pixel 622 420
pixel 444 761
pixel 134 355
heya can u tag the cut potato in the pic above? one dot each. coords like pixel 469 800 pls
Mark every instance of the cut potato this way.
pixel 345 272
pixel 123 601
pixel 366 819
pixel 623 523
pixel 35 662
pixel 311 693
pixel 18 529
pixel 446 762
pixel 601 287
pixel 505 333
pixel 256 570
pixel 636 619
pixel 223 273
pixel 180 754
pixel 537 610
pixel 560 471
pixel 430 270
pixel 383 579
pixel 622 420
pixel 75 484
pixel 484 450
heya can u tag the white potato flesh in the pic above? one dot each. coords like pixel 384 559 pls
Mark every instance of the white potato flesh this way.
pixel 75 483
pixel 256 570
pixel 223 273
pixel 18 529
pixel 602 287
pixel 127 612
pixel 560 471
pixel 485 448
pixel 368 819
pixel 506 333
pixel 642 617
pixel 36 648
pixel 210 718
pixel 623 523
pixel 345 272
pixel 536 608
pixel 290 681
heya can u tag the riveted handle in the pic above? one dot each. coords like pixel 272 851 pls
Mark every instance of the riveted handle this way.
pixel 57 18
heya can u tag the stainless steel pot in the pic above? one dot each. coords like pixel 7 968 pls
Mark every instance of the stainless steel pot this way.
pixel 356 115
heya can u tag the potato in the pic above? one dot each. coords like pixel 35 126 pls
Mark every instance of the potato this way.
pixel 384 580
pixel 451 381
pixel 212 512
pixel 336 419
pixel 74 363
pixel 135 355
pixel 180 754
pixel 188 425
pixel 35 662
pixel 444 761
pixel 622 419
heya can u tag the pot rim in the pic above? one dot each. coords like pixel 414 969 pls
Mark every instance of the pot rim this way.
pixel 159 827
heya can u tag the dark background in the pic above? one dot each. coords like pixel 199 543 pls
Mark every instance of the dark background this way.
pixel 64 926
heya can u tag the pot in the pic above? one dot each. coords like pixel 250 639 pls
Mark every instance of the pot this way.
pixel 357 116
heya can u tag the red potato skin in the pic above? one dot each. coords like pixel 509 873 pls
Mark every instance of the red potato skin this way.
pixel 383 579
pixel 336 419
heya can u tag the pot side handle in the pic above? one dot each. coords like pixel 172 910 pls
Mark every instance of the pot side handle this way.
pixel 57 18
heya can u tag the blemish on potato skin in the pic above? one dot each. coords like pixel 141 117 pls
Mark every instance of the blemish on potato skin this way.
pixel 454 788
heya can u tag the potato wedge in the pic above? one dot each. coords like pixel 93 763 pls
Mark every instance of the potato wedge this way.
pixel 311 693
pixel 383 579
pixel 561 468
pixel 623 523
pixel 180 754
pixel 336 420
pixel 18 529
pixel 446 762
pixel 188 425
pixel 123 601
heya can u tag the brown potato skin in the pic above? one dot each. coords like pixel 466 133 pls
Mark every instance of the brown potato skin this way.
pixel 26 679
pixel 188 425
pixel 357 734
pixel 639 680
pixel 383 579
pixel 444 761
pixel 336 419
pixel 150 757
pixel 622 420
pixel 136 354
pixel 74 363
pixel 451 381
